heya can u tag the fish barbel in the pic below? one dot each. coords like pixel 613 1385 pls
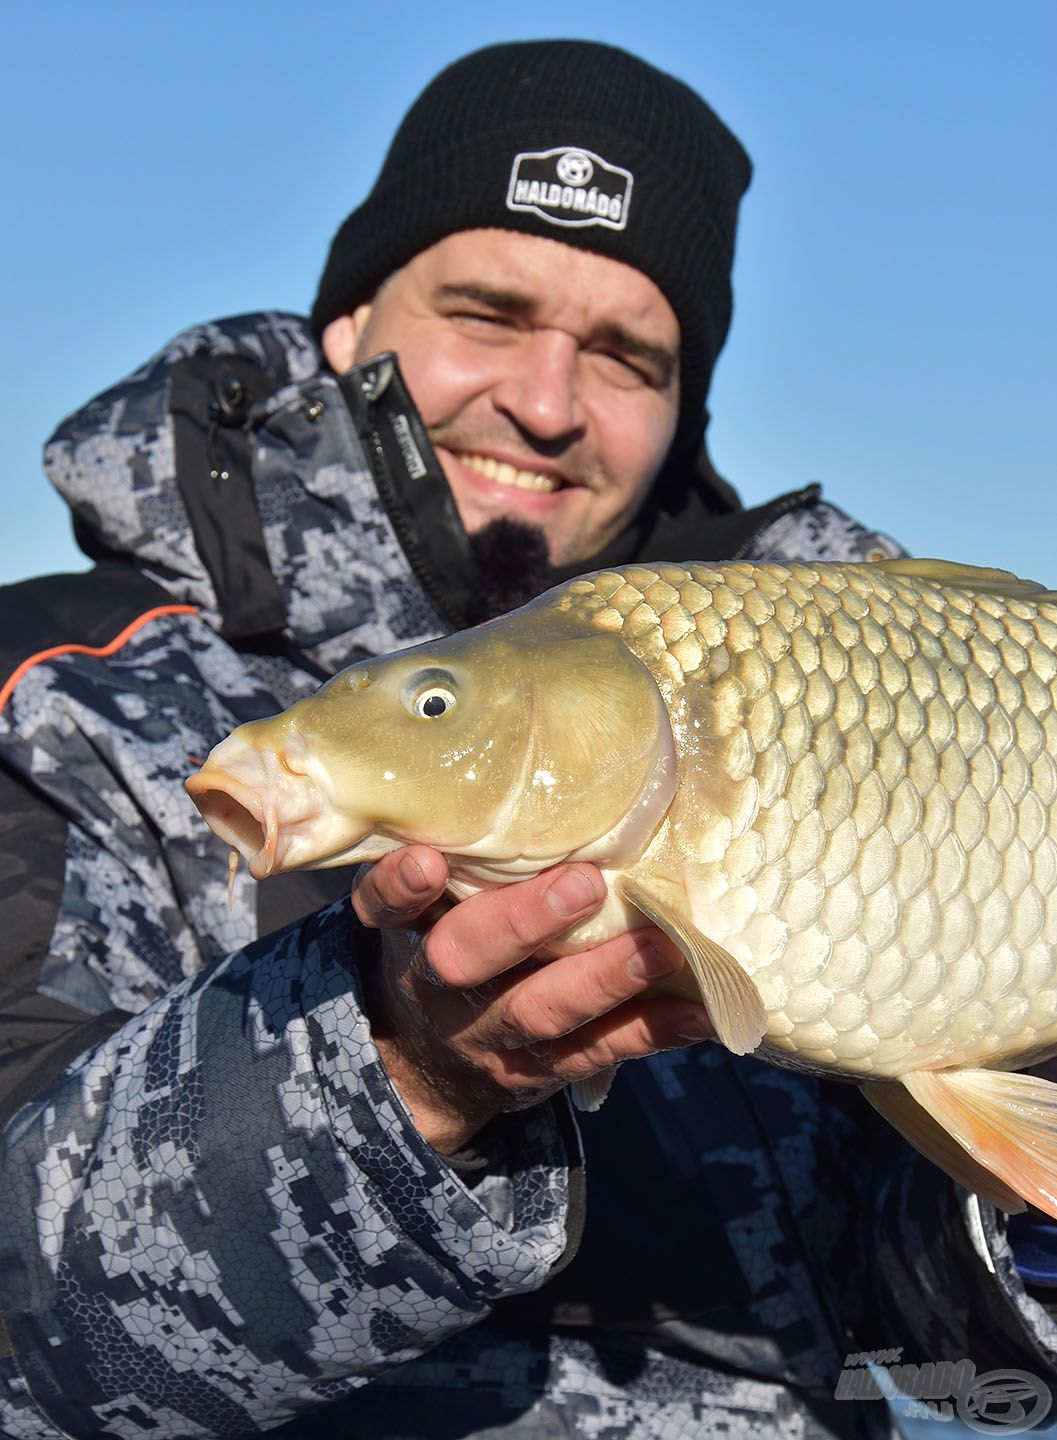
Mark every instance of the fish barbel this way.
pixel 833 787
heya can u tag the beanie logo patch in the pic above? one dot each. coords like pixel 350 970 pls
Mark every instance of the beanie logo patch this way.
pixel 570 186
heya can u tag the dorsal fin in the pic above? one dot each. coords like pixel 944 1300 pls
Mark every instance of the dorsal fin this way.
pixel 976 578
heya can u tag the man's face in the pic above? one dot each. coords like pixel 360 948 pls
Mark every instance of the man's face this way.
pixel 547 377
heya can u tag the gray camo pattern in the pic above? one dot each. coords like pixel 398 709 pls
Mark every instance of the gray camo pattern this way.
pixel 220 1296
pixel 221 1221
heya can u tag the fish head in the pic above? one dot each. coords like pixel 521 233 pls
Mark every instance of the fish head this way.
pixel 515 745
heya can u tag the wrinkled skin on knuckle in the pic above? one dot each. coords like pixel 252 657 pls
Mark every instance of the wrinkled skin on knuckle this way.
pixel 610 988
pixel 366 901
pixel 527 927
pixel 627 1036
pixel 444 956
pixel 520 1078
pixel 582 1064
pixel 651 1031
pixel 532 1017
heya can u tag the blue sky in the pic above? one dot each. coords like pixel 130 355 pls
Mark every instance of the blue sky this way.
pixel 895 331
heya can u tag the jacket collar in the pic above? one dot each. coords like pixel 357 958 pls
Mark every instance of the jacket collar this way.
pixel 229 470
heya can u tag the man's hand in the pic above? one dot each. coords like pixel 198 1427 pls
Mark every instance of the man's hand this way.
pixel 470 1025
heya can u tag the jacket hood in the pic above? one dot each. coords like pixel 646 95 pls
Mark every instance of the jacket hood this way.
pixel 229 470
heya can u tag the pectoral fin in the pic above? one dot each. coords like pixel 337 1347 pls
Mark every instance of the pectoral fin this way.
pixel 1007 1123
pixel 589 1095
pixel 937 1144
pixel 733 1001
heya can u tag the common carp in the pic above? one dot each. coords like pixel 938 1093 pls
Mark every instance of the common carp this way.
pixel 833 787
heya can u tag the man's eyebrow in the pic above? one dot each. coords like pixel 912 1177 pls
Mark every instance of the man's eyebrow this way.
pixel 509 302
pixel 514 302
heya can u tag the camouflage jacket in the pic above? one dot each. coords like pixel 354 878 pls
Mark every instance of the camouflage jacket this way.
pixel 218 1218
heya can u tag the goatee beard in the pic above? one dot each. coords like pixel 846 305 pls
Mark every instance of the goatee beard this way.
pixel 513 567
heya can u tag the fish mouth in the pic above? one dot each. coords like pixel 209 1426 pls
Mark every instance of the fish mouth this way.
pixel 255 802
pixel 238 815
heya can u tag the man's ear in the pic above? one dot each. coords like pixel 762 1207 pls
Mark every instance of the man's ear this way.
pixel 341 338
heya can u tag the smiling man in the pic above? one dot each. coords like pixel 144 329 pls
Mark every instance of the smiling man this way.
pixel 547 379
pixel 547 251
pixel 273 1162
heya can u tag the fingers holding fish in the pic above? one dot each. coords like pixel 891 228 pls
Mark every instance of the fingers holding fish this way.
pixel 489 933
pixel 630 1032
pixel 560 996
pixel 459 1054
pixel 400 887
pixel 594 1025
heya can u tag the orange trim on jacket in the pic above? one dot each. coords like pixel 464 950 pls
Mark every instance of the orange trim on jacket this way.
pixel 74 649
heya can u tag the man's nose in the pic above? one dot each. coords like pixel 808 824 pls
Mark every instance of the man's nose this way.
pixel 540 390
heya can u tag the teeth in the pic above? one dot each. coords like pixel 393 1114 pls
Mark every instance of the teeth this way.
pixel 504 474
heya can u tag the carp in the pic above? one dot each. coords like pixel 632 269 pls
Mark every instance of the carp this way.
pixel 832 786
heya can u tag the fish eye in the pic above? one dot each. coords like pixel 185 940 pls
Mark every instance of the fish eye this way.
pixel 431 704
pixel 430 695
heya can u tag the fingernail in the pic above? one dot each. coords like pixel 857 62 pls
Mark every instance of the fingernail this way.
pixel 649 963
pixel 412 875
pixel 696 1025
pixel 572 892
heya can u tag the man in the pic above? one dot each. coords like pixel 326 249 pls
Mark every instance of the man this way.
pixel 328 1178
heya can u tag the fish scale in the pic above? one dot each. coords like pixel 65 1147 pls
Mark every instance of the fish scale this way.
pixel 833 787
pixel 937 653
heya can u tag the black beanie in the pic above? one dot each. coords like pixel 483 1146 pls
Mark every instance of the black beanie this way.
pixel 576 141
